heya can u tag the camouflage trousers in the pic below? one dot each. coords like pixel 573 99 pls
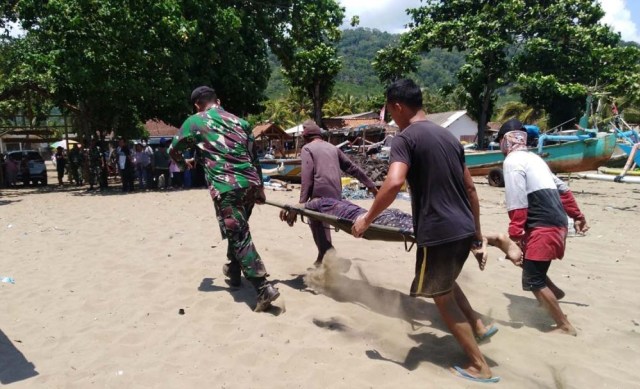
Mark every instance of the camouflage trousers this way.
pixel 94 174
pixel 233 210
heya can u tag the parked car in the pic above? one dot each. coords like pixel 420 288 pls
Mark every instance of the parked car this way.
pixel 37 167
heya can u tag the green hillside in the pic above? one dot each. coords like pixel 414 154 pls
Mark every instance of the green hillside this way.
pixel 357 49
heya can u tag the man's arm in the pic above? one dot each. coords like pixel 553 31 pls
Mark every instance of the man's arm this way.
pixel 252 149
pixel 306 183
pixel 570 206
pixel 386 195
pixel 515 182
pixel 474 200
pixel 347 166
pixel 185 139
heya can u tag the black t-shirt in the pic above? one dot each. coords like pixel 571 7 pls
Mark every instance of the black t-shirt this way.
pixel 439 200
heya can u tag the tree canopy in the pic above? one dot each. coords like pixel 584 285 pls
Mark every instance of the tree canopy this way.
pixel 115 64
pixel 552 49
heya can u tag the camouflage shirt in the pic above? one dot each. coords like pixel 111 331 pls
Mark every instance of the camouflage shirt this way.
pixel 225 141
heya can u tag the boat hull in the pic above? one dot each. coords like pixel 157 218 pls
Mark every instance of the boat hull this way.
pixel 291 168
pixel 569 157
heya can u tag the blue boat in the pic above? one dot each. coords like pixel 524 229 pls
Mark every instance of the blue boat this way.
pixel 575 153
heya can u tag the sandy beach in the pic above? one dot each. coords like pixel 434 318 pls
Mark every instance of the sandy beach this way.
pixel 100 279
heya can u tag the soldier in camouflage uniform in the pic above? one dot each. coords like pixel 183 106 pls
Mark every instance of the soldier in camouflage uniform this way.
pixel 235 183
pixel 75 158
pixel 96 164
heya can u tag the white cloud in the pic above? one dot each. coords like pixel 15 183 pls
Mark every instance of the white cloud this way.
pixel 390 15
pixel 385 15
pixel 618 16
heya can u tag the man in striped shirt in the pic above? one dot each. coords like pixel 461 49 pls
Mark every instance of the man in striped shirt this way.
pixel 538 203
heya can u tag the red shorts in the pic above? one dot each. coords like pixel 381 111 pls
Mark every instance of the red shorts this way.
pixel 545 243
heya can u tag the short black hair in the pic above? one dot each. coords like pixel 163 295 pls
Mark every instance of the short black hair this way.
pixel 404 91
pixel 203 95
pixel 508 126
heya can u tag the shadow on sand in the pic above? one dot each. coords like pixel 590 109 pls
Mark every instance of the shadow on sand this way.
pixel 243 294
pixel 14 366
pixel 442 351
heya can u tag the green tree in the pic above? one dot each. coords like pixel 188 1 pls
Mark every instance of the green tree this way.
pixel 566 54
pixel 305 46
pixel 485 31
pixel 395 62
pixel 523 112
pixel 552 48
pixel 116 64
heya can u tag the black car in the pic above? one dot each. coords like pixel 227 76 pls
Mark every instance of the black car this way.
pixel 37 167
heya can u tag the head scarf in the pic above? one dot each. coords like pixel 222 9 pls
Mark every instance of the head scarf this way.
pixel 513 141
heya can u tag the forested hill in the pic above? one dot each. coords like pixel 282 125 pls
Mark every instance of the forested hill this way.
pixel 358 48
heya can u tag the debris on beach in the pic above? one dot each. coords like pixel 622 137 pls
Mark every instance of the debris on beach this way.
pixel 375 169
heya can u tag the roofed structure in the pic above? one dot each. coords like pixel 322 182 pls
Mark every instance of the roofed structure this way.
pixel 355 120
pixel 156 127
pixel 269 130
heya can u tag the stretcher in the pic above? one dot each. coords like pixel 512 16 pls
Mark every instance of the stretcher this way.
pixel 374 232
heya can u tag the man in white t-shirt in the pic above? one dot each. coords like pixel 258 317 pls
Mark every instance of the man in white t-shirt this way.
pixel 538 203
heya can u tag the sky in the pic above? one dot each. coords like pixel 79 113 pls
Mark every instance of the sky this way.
pixel 390 15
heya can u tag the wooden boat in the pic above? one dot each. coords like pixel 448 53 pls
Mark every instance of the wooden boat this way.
pixel 616 172
pixel 587 153
pixel 288 169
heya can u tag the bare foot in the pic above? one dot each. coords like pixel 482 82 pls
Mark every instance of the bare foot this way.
pixel 481 254
pixel 514 254
pixel 565 330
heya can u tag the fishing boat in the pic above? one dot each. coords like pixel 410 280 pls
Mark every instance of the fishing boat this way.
pixel 574 153
pixel 287 169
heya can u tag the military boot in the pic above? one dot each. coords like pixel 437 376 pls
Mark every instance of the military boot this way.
pixel 231 270
pixel 267 294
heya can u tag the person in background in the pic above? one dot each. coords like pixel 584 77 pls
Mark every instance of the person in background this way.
pixel 61 163
pixel 75 164
pixel 176 174
pixel 25 171
pixel 149 166
pixel 125 165
pixel 161 166
pixel 96 164
pixel 141 162
pixel 11 170
pixel 187 174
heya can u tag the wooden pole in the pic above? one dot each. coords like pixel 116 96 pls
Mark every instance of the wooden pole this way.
pixel 66 132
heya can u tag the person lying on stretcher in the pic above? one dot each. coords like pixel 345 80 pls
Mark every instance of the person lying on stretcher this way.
pixel 398 219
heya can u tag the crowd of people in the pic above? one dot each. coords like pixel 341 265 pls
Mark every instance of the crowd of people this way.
pixel 131 165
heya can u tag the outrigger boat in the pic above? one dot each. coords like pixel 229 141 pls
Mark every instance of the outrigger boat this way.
pixel 586 150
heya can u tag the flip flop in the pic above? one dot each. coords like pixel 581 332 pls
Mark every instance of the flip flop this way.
pixel 490 332
pixel 462 373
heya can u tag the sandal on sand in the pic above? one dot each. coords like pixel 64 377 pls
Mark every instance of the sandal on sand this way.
pixel 490 332
pixel 462 373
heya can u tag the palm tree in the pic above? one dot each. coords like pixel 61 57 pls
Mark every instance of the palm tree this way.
pixel 524 113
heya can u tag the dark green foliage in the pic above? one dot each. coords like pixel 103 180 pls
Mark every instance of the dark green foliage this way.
pixel 357 49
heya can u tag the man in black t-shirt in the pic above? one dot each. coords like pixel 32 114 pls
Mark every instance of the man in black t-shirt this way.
pixel 446 217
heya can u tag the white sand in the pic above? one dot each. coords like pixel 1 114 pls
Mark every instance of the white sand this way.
pixel 100 280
